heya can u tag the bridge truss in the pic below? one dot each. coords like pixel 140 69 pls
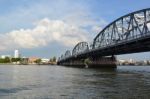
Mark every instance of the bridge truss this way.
pixel 125 28
pixel 115 37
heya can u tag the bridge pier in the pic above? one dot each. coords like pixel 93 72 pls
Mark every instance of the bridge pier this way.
pixel 91 62
pixel 103 62
pixel 73 63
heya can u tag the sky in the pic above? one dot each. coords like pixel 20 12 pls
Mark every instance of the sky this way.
pixel 47 28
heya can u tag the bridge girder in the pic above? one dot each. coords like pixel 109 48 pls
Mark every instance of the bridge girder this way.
pixel 67 54
pixel 62 57
pixel 130 26
pixel 80 48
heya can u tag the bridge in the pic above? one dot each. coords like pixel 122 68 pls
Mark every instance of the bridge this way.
pixel 127 34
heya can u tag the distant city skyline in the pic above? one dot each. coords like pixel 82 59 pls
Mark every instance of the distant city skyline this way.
pixel 124 57
pixel 47 28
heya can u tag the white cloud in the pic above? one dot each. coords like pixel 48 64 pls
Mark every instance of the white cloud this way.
pixel 44 33
pixel 61 25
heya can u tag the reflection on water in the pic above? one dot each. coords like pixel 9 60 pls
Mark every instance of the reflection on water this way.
pixel 56 82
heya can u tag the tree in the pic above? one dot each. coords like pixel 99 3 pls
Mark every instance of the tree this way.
pixel 87 61
pixel 7 60
pixel 15 59
pixel 51 60
pixel 38 61
pixel 54 59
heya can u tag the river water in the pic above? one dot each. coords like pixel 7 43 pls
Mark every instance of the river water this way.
pixel 58 82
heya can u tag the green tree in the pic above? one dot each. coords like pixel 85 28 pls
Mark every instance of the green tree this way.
pixel 7 60
pixel 54 59
pixel 50 60
pixel 38 61
pixel 15 59
pixel 2 60
pixel 87 61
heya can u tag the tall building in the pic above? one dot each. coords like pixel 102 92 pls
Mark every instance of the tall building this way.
pixel 16 54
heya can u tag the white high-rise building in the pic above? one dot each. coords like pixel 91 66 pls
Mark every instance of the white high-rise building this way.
pixel 16 54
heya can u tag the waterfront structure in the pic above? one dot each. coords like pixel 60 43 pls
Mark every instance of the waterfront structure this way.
pixel 31 60
pixel 44 60
pixel 24 60
pixel 133 62
pixel 127 34
pixel 4 56
pixel 16 54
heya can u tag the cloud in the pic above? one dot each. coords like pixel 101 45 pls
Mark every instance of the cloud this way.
pixel 85 19
pixel 36 25
pixel 44 33
pixel 67 31
pixel 23 14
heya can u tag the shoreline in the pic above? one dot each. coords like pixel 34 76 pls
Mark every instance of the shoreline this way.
pixel 24 64
pixel 56 64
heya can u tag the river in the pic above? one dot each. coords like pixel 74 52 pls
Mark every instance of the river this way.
pixel 58 82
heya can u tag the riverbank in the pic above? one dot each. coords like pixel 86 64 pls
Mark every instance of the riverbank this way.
pixel 24 64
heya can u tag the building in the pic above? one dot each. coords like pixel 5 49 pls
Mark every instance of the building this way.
pixel 44 60
pixel 32 60
pixel 4 56
pixel 121 62
pixel 16 54
pixel 24 60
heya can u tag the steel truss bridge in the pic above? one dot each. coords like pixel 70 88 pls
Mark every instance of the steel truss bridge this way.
pixel 127 34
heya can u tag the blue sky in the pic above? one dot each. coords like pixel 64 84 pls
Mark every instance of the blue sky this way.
pixel 47 28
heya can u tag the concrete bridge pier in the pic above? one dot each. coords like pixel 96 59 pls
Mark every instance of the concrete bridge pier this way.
pixel 91 62
pixel 103 62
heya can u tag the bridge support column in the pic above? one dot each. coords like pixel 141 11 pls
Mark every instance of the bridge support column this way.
pixel 92 62
pixel 103 62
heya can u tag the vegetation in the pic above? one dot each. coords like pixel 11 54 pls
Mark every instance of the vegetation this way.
pixel 9 60
pixel 15 59
pixel 5 60
pixel 87 61
pixel 52 60
pixel 38 61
